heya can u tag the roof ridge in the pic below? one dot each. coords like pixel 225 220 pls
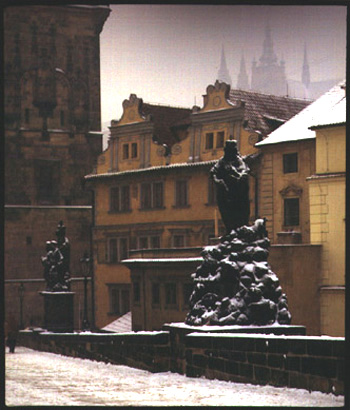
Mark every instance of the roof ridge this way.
pixel 166 106
pixel 271 95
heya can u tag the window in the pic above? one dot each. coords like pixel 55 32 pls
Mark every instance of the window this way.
pixel 170 293
pixel 178 241
pixel 120 198
pixel 211 192
pixel 157 194
pixel 216 140
pixel 130 150
pixel 155 293
pixel 143 242
pixel 134 150
pixel 152 195
pixel 291 211
pixel 290 163
pixel 119 299
pixel 155 242
pixel 146 196
pixel 220 138
pixel 118 249
pixel 181 199
pixel 209 140
pixel 29 240
pixel 136 292
pixel 125 151
pixel 149 241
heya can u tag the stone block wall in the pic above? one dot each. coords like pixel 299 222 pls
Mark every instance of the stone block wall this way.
pixel 147 350
pixel 303 362
pixel 294 361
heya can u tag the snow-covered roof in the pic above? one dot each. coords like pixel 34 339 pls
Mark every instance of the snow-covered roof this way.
pixel 328 108
pixel 336 115
pixel 120 325
pixel 158 168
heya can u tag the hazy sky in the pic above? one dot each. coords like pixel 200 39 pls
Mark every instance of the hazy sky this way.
pixel 169 54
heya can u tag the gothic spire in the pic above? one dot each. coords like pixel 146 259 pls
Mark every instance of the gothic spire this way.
pixel 242 82
pixel 223 74
pixel 268 56
pixel 305 76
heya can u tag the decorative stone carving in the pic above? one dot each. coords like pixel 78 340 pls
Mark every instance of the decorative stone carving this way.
pixel 56 262
pixel 230 175
pixel 217 97
pixel 291 190
pixel 235 285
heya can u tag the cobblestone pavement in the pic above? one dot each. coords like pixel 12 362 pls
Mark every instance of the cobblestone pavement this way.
pixel 37 378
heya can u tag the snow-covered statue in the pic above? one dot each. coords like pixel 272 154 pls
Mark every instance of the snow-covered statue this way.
pixel 235 285
pixel 56 262
pixel 230 175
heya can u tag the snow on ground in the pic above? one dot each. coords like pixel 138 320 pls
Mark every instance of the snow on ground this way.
pixel 38 378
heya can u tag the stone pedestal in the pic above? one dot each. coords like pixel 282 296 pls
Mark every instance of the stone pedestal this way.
pixel 58 311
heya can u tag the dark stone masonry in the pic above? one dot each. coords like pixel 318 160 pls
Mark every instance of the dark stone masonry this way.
pixel 303 362
pixel 235 285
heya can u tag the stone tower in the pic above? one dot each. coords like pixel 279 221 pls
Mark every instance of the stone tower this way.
pixel 52 133
pixel 305 76
pixel 223 73
pixel 269 76
pixel 243 82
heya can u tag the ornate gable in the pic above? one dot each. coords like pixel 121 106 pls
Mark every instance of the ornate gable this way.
pixel 217 97
pixel 132 111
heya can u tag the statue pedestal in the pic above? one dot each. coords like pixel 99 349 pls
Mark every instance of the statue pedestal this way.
pixel 58 311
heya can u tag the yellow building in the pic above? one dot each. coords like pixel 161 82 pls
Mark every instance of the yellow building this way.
pixel 152 187
pixel 302 193
pixel 327 209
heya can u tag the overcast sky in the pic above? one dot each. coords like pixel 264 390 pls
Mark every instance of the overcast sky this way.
pixel 169 54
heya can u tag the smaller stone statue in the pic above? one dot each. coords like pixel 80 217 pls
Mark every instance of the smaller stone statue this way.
pixel 56 262
pixel 230 175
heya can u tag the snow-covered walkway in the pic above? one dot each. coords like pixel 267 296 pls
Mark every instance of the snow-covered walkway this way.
pixel 38 378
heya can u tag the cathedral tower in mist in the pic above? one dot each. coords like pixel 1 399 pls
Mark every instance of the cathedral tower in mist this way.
pixel 223 74
pixel 268 76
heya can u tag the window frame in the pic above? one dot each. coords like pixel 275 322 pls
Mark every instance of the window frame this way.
pixel 125 151
pixel 287 217
pixel 130 150
pixel 155 199
pixel 181 193
pixel 118 290
pixel 123 202
pixel 178 235
pixel 222 142
pixel 116 251
pixel 209 140
pixel 149 240
pixel 134 150
pixel 290 163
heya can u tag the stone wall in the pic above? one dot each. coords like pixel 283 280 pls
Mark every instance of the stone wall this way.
pixel 145 350
pixel 304 362
pixel 301 362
